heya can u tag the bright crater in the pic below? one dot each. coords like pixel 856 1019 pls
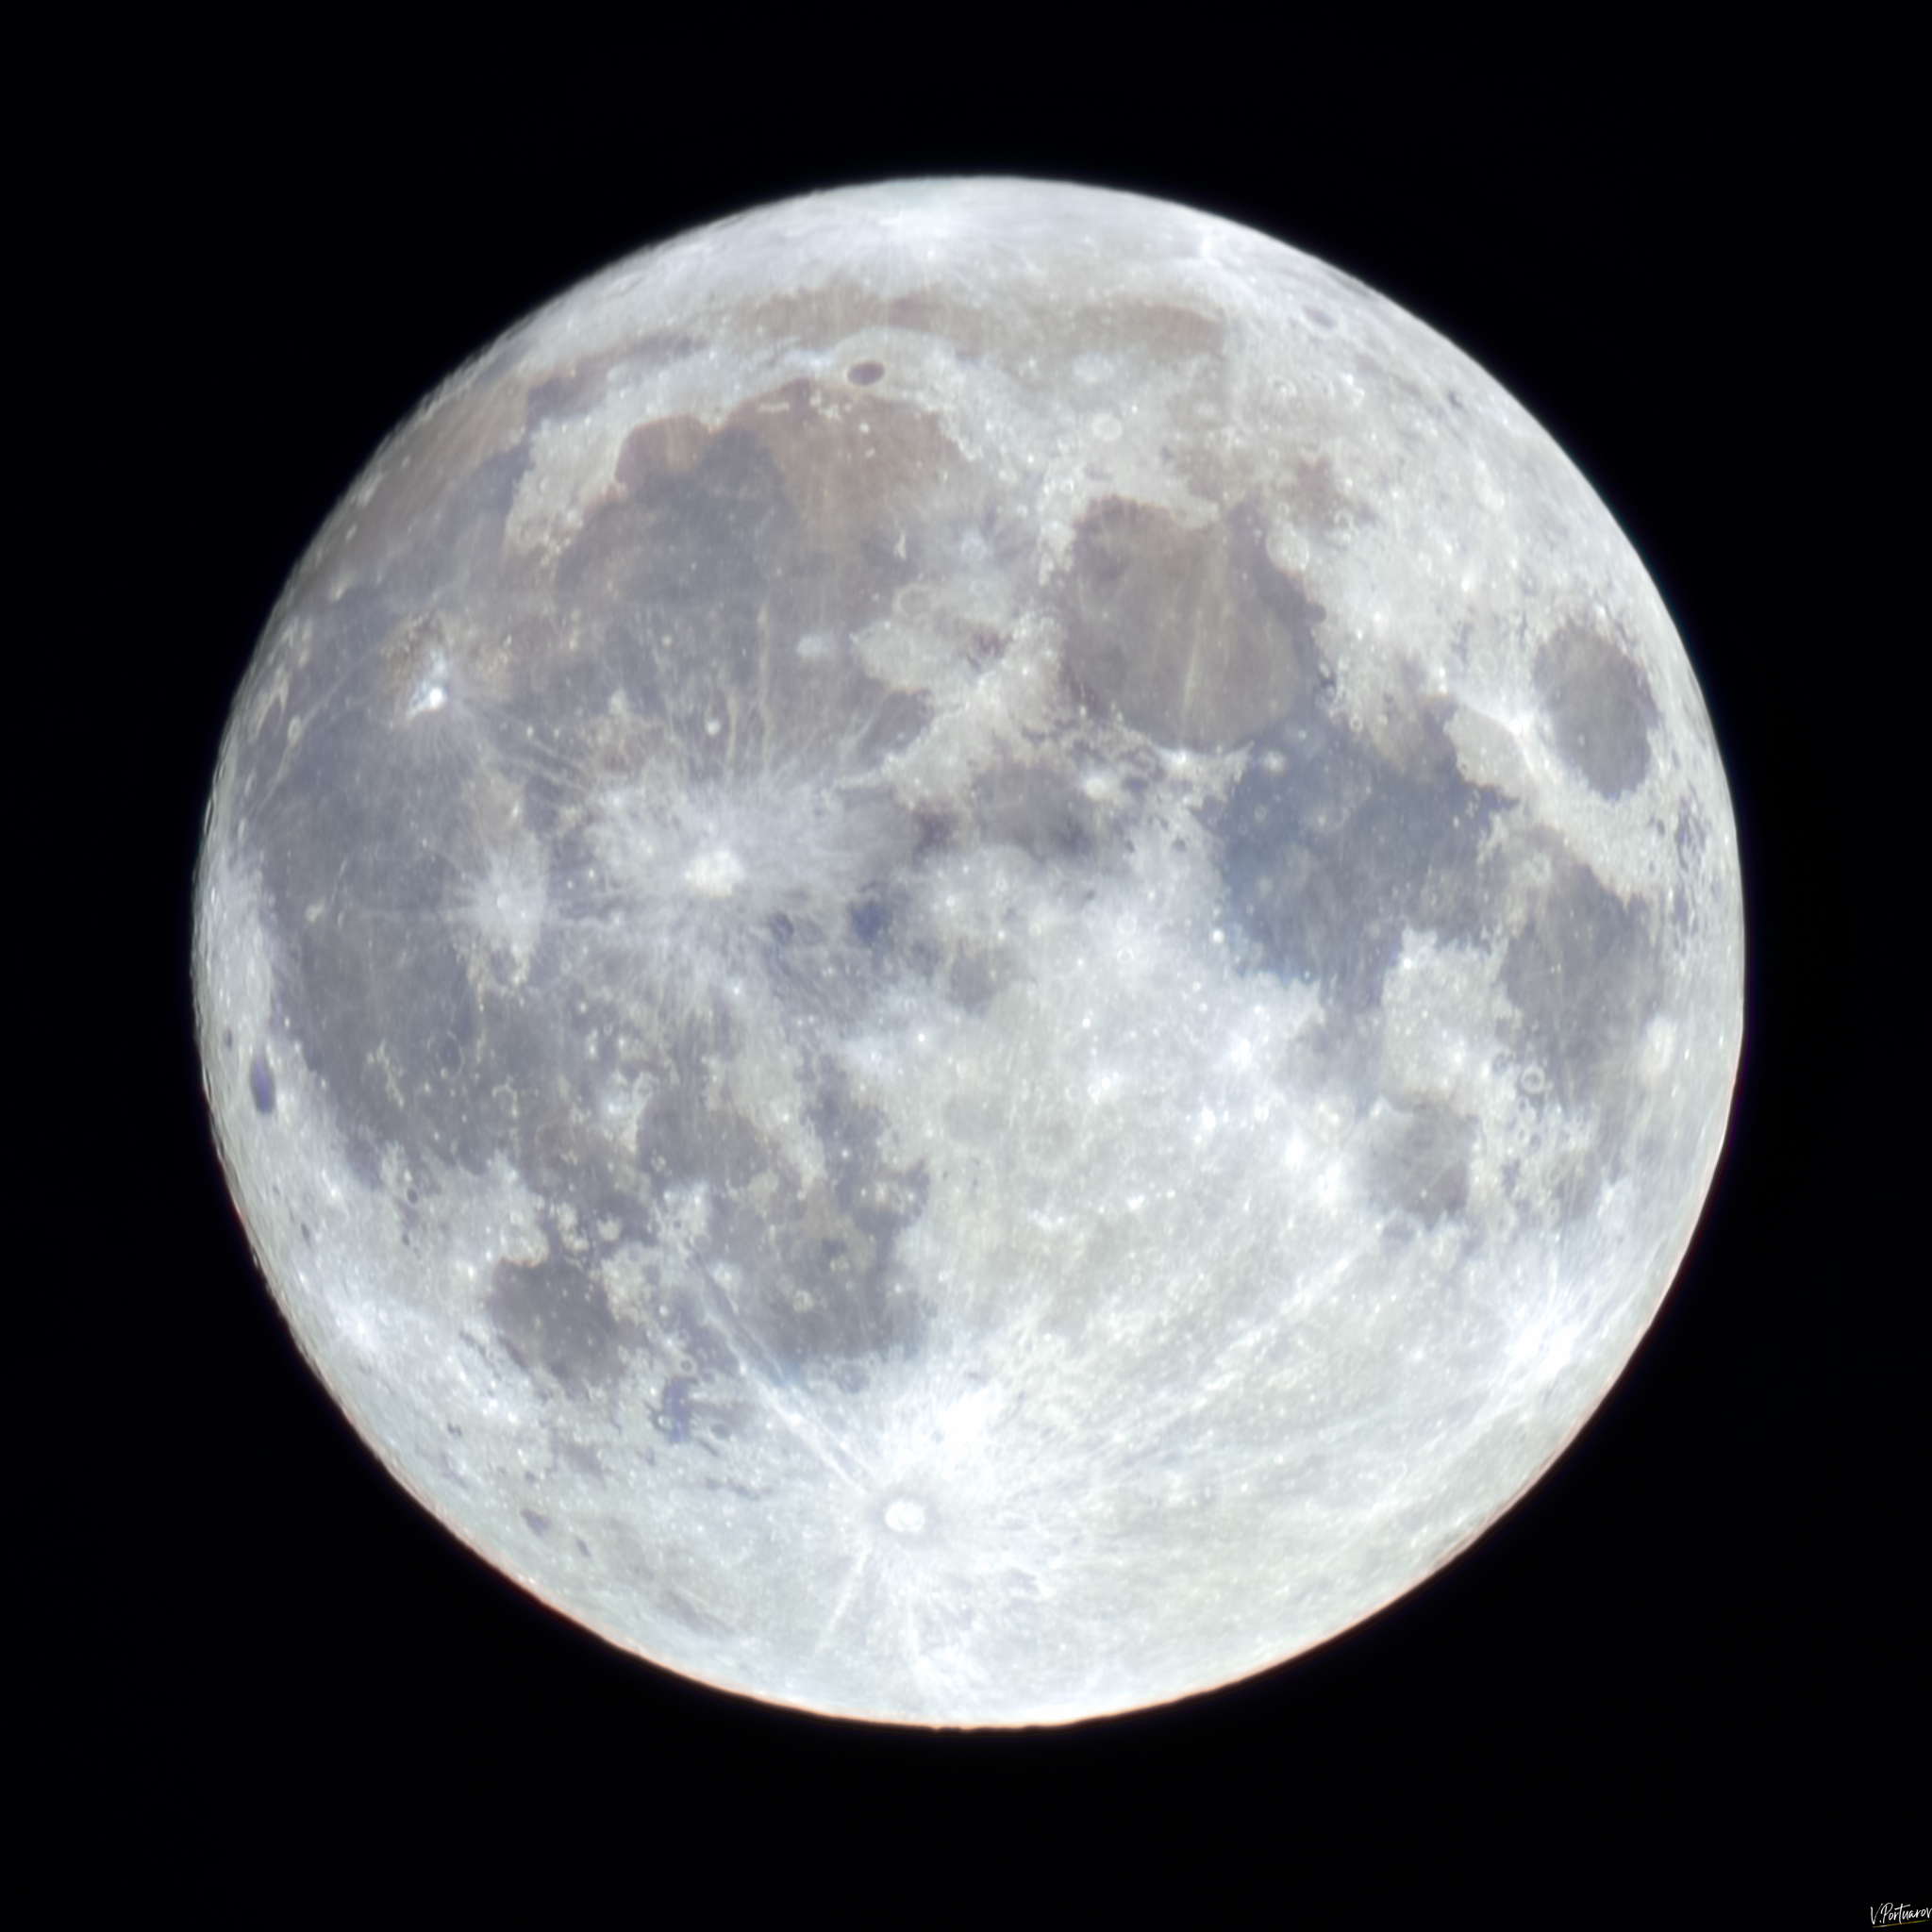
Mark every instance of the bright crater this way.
pixel 970 952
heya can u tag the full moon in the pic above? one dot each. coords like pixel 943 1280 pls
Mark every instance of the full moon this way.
pixel 969 953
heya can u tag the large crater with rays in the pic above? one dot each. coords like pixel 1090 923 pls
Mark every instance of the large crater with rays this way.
pixel 969 953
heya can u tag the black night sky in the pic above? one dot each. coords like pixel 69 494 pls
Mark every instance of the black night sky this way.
pixel 1646 250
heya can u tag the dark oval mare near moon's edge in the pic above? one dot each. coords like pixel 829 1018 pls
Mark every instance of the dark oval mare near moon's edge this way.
pixel 969 953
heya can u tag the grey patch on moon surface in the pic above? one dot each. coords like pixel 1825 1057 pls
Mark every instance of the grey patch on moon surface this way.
pixel 1599 705
pixel 969 953
pixel 1190 636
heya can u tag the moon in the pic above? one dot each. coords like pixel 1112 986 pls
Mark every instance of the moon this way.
pixel 970 952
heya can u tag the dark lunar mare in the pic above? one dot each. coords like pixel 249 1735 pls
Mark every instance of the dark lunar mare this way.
pixel 1600 705
pixel 1195 636
pixel 1330 848
pixel 1585 978
pixel 681 602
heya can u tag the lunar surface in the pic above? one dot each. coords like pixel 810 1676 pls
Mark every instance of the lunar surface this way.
pixel 969 953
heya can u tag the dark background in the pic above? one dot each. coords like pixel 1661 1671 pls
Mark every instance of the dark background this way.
pixel 1653 249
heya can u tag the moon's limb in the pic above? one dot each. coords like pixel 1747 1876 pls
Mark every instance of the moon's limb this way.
pixel 970 952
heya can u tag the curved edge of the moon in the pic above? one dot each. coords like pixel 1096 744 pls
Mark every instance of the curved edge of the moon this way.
pixel 228 1094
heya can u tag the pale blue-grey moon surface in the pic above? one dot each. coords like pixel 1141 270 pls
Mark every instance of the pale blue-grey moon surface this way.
pixel 969 953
